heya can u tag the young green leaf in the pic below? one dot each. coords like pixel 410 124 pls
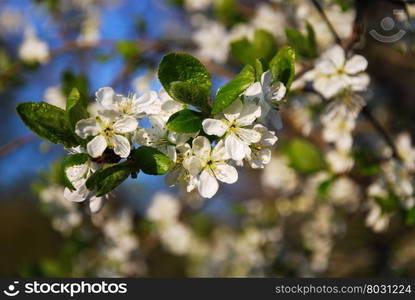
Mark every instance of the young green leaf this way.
pixel 151 161
pixel 185 68
pixel 76 108
pixel 304 157
pixel 231 91
pixel 282 66
pixel 185 121
pixel 71 80
pixel 261 47
pixel 48 122
pixel 70 161
pixel 191 94
pixel 108 178
pixel 227 12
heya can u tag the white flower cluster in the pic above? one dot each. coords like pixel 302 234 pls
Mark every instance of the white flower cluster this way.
pixel 200 159
pixel 338 78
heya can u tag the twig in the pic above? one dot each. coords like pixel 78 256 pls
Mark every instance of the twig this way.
pixel 326 19
pixel 379 128
pixel 15 144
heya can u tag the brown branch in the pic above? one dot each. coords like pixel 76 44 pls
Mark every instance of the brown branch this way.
pixel 333 31
pixel 15 144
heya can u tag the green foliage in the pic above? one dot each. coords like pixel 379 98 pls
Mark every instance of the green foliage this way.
pixel 185 121
pixel 304 45
pixel 129 50
pixel 181 67
pixel 190 93
pixel 109 177
pixel 231 91
pixel 76 108
pixel 151 161
pixel 262 47
pixel 304 157
pixel 70 80
pixel 226 11
pixel 324 187
pixel 282 66
pixel 48 122
pixel 388 203
pixel 70 161
pixel 410 216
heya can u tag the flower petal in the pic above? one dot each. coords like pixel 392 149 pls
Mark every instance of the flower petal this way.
pixel 207 185
pixel 96 203
pixel 87 127
pixel 233 111
pixel 105 96
pixel 249 136
pixel 195 165
pixel 79 195
pixel 96 146
pixel 214 127
pixel 266 78
pixel 250 112
pixel 235 147
pixel 125 125
pixel 121 145
pixel 201 147
pixel 219 153
pixel 337 56
pixel 226 173
pixel 356 65
pixel 253 91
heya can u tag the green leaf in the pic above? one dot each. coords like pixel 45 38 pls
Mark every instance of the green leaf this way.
pixel 388 203
pixel 304 45
pixel 108 178
pixel 231 91
pixel 128 49
pixel 261 47
pixel 70 81
pixel 282 66
pixel 410 216
pixel 304 157
pixel 259 70
pixel 311 41
pixel 48 122
pixel 227 12
pixel 76 108
pixel 151 161
pixel 190 93
pixel 70 161
pixel 185 121
pixel 183 67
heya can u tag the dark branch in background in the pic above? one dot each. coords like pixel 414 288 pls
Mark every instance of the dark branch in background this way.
pixel 375 123
pixel 326 19
pixel 358 25
pixel 15 144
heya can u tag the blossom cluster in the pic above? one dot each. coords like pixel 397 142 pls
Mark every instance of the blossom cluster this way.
pixel 201 159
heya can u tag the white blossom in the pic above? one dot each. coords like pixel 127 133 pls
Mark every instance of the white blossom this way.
pixel 53 95
pixel 238 117
pixel 261 151
pixel 164 208
pixel 212 41
pixel 131 105
pixel 33 49
pixel 108 130
pixel 334 73
pixel 268 94
pixel 209 165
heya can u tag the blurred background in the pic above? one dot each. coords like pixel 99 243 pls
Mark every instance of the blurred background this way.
pixel 300 216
